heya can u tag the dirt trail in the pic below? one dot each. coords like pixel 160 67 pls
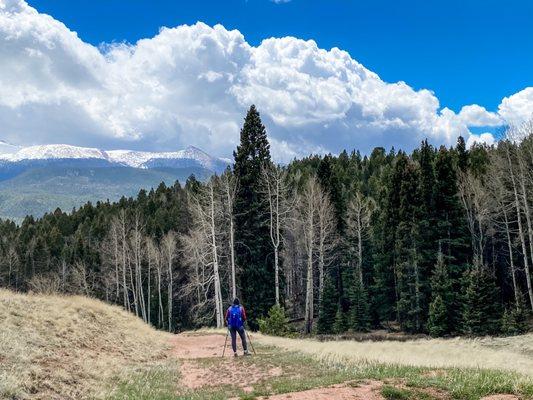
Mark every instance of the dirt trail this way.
pixel 195 374
pixel 202 366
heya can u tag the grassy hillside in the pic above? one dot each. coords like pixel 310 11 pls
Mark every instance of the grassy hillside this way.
pixel 42 190
pixel 55 347
pixel 69 347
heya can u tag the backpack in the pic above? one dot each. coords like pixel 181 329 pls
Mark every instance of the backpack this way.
pixel 235 317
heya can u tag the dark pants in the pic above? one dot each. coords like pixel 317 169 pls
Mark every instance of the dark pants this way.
pixel 242 334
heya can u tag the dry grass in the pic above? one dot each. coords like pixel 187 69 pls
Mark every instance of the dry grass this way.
pixel 54 347
pixel 503 354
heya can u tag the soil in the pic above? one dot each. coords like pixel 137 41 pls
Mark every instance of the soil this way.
pixel 202 366
pixel 367 391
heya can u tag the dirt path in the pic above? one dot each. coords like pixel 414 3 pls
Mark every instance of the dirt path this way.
pixel 202 366
pixel 215 370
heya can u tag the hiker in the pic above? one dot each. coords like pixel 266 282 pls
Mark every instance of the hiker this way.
pixel 235 318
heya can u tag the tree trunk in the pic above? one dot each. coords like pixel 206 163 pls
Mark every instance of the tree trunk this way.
pixel 218 291
pixel 520 229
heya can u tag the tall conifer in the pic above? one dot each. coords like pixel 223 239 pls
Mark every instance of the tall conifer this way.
pixel 251 230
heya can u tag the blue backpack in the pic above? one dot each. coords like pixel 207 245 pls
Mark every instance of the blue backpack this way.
pixel 235 317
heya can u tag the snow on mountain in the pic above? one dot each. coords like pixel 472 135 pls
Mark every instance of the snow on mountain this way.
pixel 189 157
pixel 54 151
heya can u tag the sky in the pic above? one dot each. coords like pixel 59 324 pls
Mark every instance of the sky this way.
pixel 325 75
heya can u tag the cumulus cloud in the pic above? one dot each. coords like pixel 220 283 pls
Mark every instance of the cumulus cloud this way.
pixel 191 85
pixel 475 115
pixel 484 138
pixel 517 108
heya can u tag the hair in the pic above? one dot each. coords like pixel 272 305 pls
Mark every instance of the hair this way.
pixel 236 302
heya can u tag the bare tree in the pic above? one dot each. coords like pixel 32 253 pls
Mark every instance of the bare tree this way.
pixel 208 232
pixel 518 208
pixel 137 256
pixel 276 188
pixel 476 201
pixel 358 220
pixel 168 251
pixel 155 258
pixel 307 205
pixel 229 186
pixel 327 236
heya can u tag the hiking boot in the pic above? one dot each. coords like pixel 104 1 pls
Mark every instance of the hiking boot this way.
pixel 235 354
pixel 247 353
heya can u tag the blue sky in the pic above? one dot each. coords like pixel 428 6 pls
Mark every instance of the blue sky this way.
pixel 465 51
pixel 325 75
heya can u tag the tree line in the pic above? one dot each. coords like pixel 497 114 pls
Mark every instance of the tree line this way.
pixel 438 241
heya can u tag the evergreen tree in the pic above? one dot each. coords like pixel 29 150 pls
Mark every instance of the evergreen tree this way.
pixel 514 320
pixel 341 321
pixel 441 291
pixel 251 231
pixel 409 275
pixel 451 231
pixel 481 307
pixel 359 319
pixel 438 317
pixel 462 154
pixel 328 308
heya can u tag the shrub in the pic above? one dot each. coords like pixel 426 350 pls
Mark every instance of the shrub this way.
pixel 276 324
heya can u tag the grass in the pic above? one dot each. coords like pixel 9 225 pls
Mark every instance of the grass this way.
pixel 489 353
pixel 64 347
pixel 302 372
pixel 54 347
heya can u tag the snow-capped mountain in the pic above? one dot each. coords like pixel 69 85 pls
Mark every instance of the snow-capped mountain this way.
pixel 38 179
pixel 190 157
pixel 53 151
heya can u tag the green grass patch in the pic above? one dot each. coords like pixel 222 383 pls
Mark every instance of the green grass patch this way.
pixel 301 372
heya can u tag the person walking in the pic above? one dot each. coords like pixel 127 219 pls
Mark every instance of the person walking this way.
pixel 235 319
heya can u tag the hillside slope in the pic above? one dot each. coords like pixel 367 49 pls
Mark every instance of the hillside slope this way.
pixel 37 191
pixel 54 347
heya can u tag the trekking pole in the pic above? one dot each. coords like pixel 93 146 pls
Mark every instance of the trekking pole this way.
pixel 225 343
pixel 250 340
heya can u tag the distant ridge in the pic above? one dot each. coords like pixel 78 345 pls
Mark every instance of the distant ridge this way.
pixel 191 156
pixel 38 179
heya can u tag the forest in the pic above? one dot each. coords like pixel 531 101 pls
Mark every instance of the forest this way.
pixel 438 241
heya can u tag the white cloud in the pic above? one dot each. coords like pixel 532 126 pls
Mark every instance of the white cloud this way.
pixel 475 115
pixel 191 85
pixel 517 108
pixel 484 138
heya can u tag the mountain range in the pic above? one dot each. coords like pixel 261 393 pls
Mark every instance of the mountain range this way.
pixel 38 179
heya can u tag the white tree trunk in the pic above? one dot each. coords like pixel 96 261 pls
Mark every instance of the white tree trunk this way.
pixel 520 229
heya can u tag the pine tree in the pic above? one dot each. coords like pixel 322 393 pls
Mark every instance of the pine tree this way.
pixel 441 291
pixel 251 231
pixel 359 319
pixel 438 317
pixel 426 221
pixel 328 308
pixel 514 320
pixel 481 307
pixel 462 154
pixel 451 231
pixel 341 321
pixel 409 275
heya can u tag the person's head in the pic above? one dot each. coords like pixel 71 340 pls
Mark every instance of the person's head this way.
pixel 236 302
